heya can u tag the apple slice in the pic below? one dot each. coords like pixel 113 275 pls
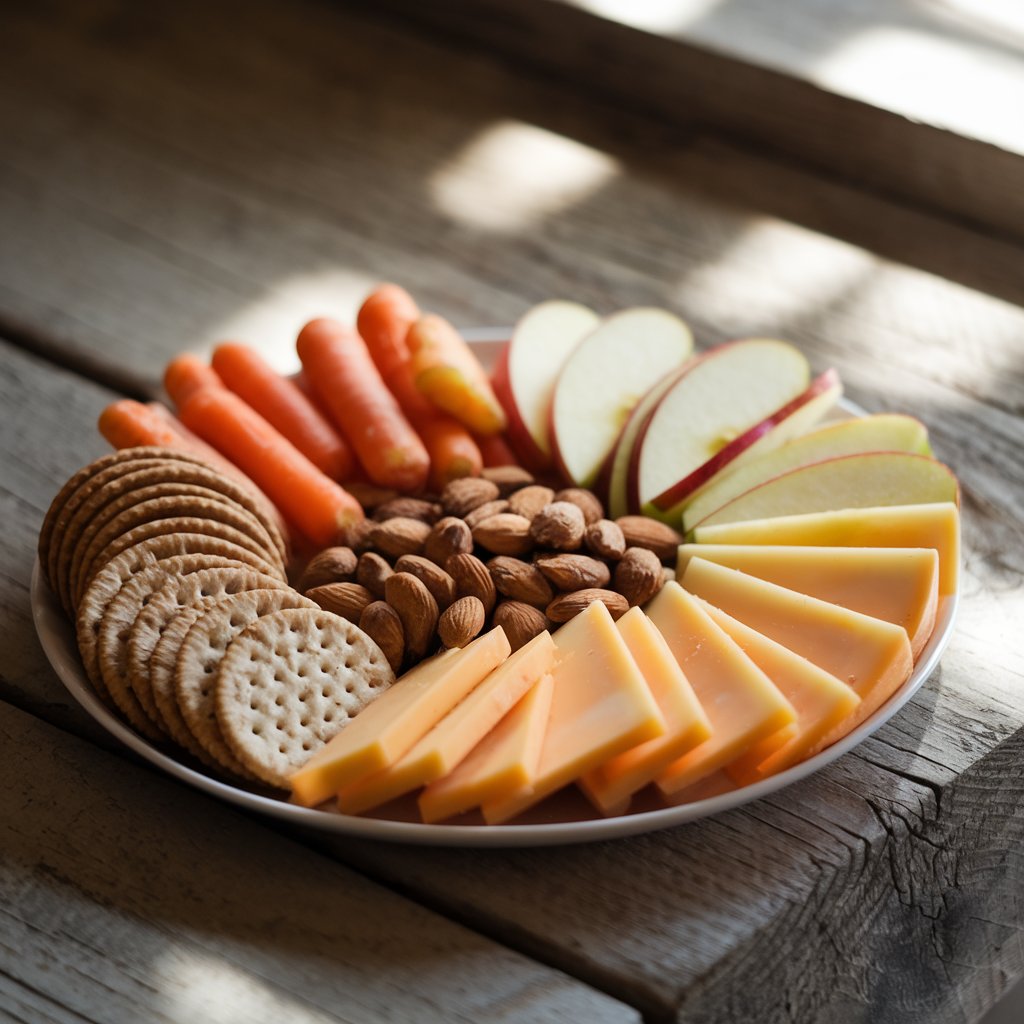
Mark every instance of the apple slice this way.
pixel 866 480
pixel 611 369
pixel 884 432
pixel 527 368
pixel 713 401
pixel 787 422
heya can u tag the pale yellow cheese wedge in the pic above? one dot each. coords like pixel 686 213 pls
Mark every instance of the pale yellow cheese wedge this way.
pixel 601 706
pixel 504 761
pixel 899 585
pixel 871 656
pixel 610 787
pixel 387 728
pixel 444 746
pixel 935 525
pixel 820 700
pixel 742 704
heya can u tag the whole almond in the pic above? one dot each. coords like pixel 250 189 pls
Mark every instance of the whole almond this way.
pixel 332 565
pixel 464 495
pixel 433 577
pixel 521 622
pixel 508 479
pixel 520 581
pixel 345 599
pixel 380 622
pixel 604 538
pixel 450 536
pixel 472 579
pixel 400 536
pixel 372 571
pixel 643 532
pixel 461 622
pixel 408 508
pixel 359 535
pixel 638 576
pixel 568 606
pixel 370 496
pixel 586 501
pixel 485 511
pixel 530 500
pixel 504 534
pixel 574 572
pixel 558 525
pixel 417 609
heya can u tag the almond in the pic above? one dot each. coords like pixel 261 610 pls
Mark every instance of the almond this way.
pixel 400 536
pixel 461 622
pixel 472 579
pixel 574 572
pixel 568 606
pixel 521 622
pixel 464 495
pixel 643 532
pixel 604 538
pixel 332 565
pixel 485 511
pixel 409 508
pixel 358 535
pixel 530 500
pixel 558 525
pixel 417 609
pixel 520 581
pixel 450 536
pixel 504 534
pixel 586 501
pixel 638 576
pixel 345 599
pixel 380 622
pixel 433 577
pixel 370 496
pixel 372 571
pixel 508 479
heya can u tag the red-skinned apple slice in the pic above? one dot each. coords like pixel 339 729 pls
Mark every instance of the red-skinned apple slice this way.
pixel 527 368
pixel 611 369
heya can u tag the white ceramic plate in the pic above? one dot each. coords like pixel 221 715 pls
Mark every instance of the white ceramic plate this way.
pixel 563 818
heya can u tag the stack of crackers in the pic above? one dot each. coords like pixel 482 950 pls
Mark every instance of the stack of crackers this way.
pixel 175 575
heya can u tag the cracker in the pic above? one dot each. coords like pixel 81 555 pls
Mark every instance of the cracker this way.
pixel 289 683
pixel 199 658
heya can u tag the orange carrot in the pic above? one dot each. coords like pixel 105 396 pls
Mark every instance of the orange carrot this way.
pixel 449 374
pixel 496 451
pixel 313 502
pixel 384 321
pixel 280 402
pixel 339 367
pixel 186 374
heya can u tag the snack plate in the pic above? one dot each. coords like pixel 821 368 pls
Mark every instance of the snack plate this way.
pixel 563 818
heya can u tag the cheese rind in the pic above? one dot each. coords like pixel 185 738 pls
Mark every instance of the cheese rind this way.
pixel 386 729
pixel 742 704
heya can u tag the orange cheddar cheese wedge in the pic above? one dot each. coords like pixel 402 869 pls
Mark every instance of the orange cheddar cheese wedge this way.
pixel 504 761
pixel 742 704
pixel 899 585
pixel 935 525
pixel 386 729
pixel 610 787
pixel 601 706
pixel 873 657
pixel 820 700
pixel 448 742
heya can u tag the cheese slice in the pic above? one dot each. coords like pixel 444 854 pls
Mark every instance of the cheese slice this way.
pixel 742 704
pixel 898 585
pixel 935 525
pixel 610 787
pixel 504 761
pixel 601 706
pixel 444 746
pixel 820 700
pixel 871 656
pixel 387 728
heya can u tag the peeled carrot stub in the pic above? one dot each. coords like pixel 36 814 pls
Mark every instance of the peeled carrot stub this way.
pixel 186 374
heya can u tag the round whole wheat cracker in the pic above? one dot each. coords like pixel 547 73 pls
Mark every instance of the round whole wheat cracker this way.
pixel 289 683
pixel 199 659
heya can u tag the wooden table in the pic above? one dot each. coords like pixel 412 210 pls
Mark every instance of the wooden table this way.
pixel 172 174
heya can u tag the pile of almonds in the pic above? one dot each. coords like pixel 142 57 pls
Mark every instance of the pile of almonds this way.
pixel 499 550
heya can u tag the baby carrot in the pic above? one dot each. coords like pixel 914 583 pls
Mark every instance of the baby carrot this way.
pixel 450 375
pixel 383 322
pixel 188 373
pixel 313 502
pixel 283 405
pixel 339 367
pixel 496 451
